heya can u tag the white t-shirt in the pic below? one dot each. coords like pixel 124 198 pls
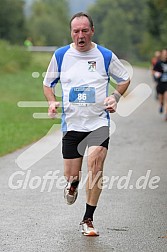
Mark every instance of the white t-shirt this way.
pixel 84 78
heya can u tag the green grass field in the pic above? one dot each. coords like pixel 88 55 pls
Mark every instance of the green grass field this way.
pixel 17 125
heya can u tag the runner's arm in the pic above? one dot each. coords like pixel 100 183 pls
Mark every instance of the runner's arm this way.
pixel 53 104
pixel 50 80
pixel 121 77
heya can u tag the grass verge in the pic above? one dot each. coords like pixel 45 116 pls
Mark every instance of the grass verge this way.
pixel 18 128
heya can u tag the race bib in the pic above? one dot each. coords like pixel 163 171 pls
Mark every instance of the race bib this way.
pixel 82 96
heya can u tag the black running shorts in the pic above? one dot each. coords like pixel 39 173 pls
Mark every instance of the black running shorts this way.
pixel 74 143
pixel 162 88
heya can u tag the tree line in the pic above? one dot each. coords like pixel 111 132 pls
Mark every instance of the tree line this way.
pixel 132 29
pixel 47 23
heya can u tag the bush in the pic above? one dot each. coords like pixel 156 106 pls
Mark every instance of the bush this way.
pixel 13 58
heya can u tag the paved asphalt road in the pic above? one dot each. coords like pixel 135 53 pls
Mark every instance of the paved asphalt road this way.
pixel 132 211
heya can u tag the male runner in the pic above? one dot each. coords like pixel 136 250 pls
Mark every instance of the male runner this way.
pixel 84 69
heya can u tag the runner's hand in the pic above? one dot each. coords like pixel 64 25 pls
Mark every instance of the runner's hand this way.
pixel 52 110
pixel 110 104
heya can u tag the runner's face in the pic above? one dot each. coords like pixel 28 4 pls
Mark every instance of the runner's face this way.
pixel 81 33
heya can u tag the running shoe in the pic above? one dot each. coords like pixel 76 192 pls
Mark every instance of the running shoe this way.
pixel 70 194
pixel 88 229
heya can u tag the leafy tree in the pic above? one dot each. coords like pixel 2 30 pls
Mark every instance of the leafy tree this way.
pixel 99 12
pixel 156 16
pixel 157 22
pixel 120 25
pixel 49 22
pixel 115 36
pixel 12 22
pixel 155 38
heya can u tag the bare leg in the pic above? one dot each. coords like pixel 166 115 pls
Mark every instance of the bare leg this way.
pixel 96 157
pixel 165 102
pixel 72 168
pixel 161 101
pixel 165 105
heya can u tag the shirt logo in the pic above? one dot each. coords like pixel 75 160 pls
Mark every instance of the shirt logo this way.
pixel 91 66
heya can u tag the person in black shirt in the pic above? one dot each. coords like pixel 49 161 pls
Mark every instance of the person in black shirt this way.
pixel 160 71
